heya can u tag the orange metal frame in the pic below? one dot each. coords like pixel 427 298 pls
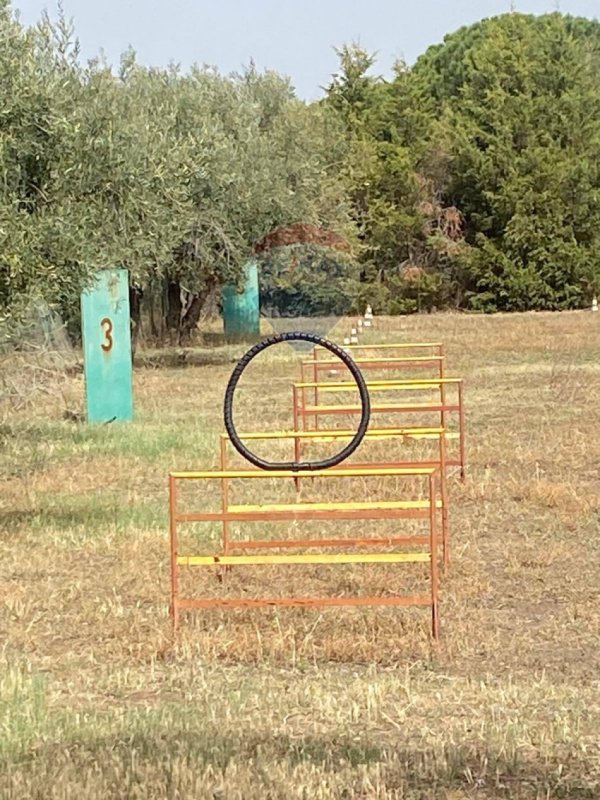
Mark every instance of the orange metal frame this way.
pixel 302 411
pixel 361 354
pixel 321 437
pixel 424 509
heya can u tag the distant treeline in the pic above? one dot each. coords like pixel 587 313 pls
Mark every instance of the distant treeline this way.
pixel 470 180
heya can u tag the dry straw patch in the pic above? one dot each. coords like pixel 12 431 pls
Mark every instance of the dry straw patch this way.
pixel 95 702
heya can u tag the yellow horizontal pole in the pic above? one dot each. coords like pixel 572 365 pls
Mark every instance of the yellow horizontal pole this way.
pixel 374 386
pixel 357 472
pixel 387 360
pixel 386 346
pixel 325 436
pixel 380 407
pixel 305 558
pixel 339 388
pixel 366 505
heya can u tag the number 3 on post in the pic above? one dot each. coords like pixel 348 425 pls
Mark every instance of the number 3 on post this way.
pixel 107 326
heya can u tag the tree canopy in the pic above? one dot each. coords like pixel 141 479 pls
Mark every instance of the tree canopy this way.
pixel 481 185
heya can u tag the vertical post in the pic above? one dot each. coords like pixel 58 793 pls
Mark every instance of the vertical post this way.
pixel 304 405
pixel 461 418
pixel 297 413
pixel 435 623
pixel 224 494
pixel 241 307
pixel 302 410
pixel 297 446
pixel 444 494
pixel 442 373
pixel 315 381
pixel 106 332
pixel 317 371
pixel 174 548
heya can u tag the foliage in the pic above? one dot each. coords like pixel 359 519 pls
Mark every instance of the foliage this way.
pixel 174 176
pixel 391 179
pixel 521 115
pixel 479 166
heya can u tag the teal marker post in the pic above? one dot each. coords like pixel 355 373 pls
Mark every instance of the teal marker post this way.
pixel 107 348
pixel 241 308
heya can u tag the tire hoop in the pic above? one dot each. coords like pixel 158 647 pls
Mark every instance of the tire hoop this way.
pixel 295 466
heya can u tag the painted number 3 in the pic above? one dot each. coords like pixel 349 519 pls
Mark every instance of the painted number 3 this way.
pixel 107 327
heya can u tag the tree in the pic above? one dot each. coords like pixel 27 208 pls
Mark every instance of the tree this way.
pixel 517 102
pixel 174 176
pixel 397 204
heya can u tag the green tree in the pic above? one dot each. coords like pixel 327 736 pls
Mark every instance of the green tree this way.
pixel 392 184
pixel 174 176
pixel 517 104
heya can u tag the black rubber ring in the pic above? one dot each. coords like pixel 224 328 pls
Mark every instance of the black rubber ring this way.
pixel 301 466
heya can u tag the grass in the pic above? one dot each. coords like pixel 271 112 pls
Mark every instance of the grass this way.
pixel 95 701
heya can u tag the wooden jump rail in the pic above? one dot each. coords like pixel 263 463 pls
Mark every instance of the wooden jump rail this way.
pixel 424 509
pixel 321 437
pixel 303 411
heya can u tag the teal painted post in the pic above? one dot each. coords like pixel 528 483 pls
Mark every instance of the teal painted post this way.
pixel 107 347
pixel 241 307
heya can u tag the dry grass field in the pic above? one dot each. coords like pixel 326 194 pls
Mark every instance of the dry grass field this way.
pixel 96 701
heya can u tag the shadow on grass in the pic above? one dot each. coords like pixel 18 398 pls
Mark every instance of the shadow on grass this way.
pixel 93 516
pixel 172 762
pixel 172 359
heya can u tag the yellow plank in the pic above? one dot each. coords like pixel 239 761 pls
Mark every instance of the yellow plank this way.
pixel 386 360
pixel 379 407
pixel 327 436
pixel 357 472
pixel 342 388
pixel 396 383
pixel 367 505
pixel 387 346
pixel 321 558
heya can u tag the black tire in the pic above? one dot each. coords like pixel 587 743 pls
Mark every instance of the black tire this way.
pixel 301 466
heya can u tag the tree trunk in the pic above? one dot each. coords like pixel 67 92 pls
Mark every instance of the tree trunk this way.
pixel 192 312
pixel 136 295
pixel 151 315
pixel 173 310
pixel 190 318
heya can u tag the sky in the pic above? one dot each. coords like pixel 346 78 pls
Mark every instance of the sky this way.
pixel 296 38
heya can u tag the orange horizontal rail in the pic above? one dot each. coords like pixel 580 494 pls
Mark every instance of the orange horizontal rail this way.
pixel 385 346
pixel 304 602
pixel 306 544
